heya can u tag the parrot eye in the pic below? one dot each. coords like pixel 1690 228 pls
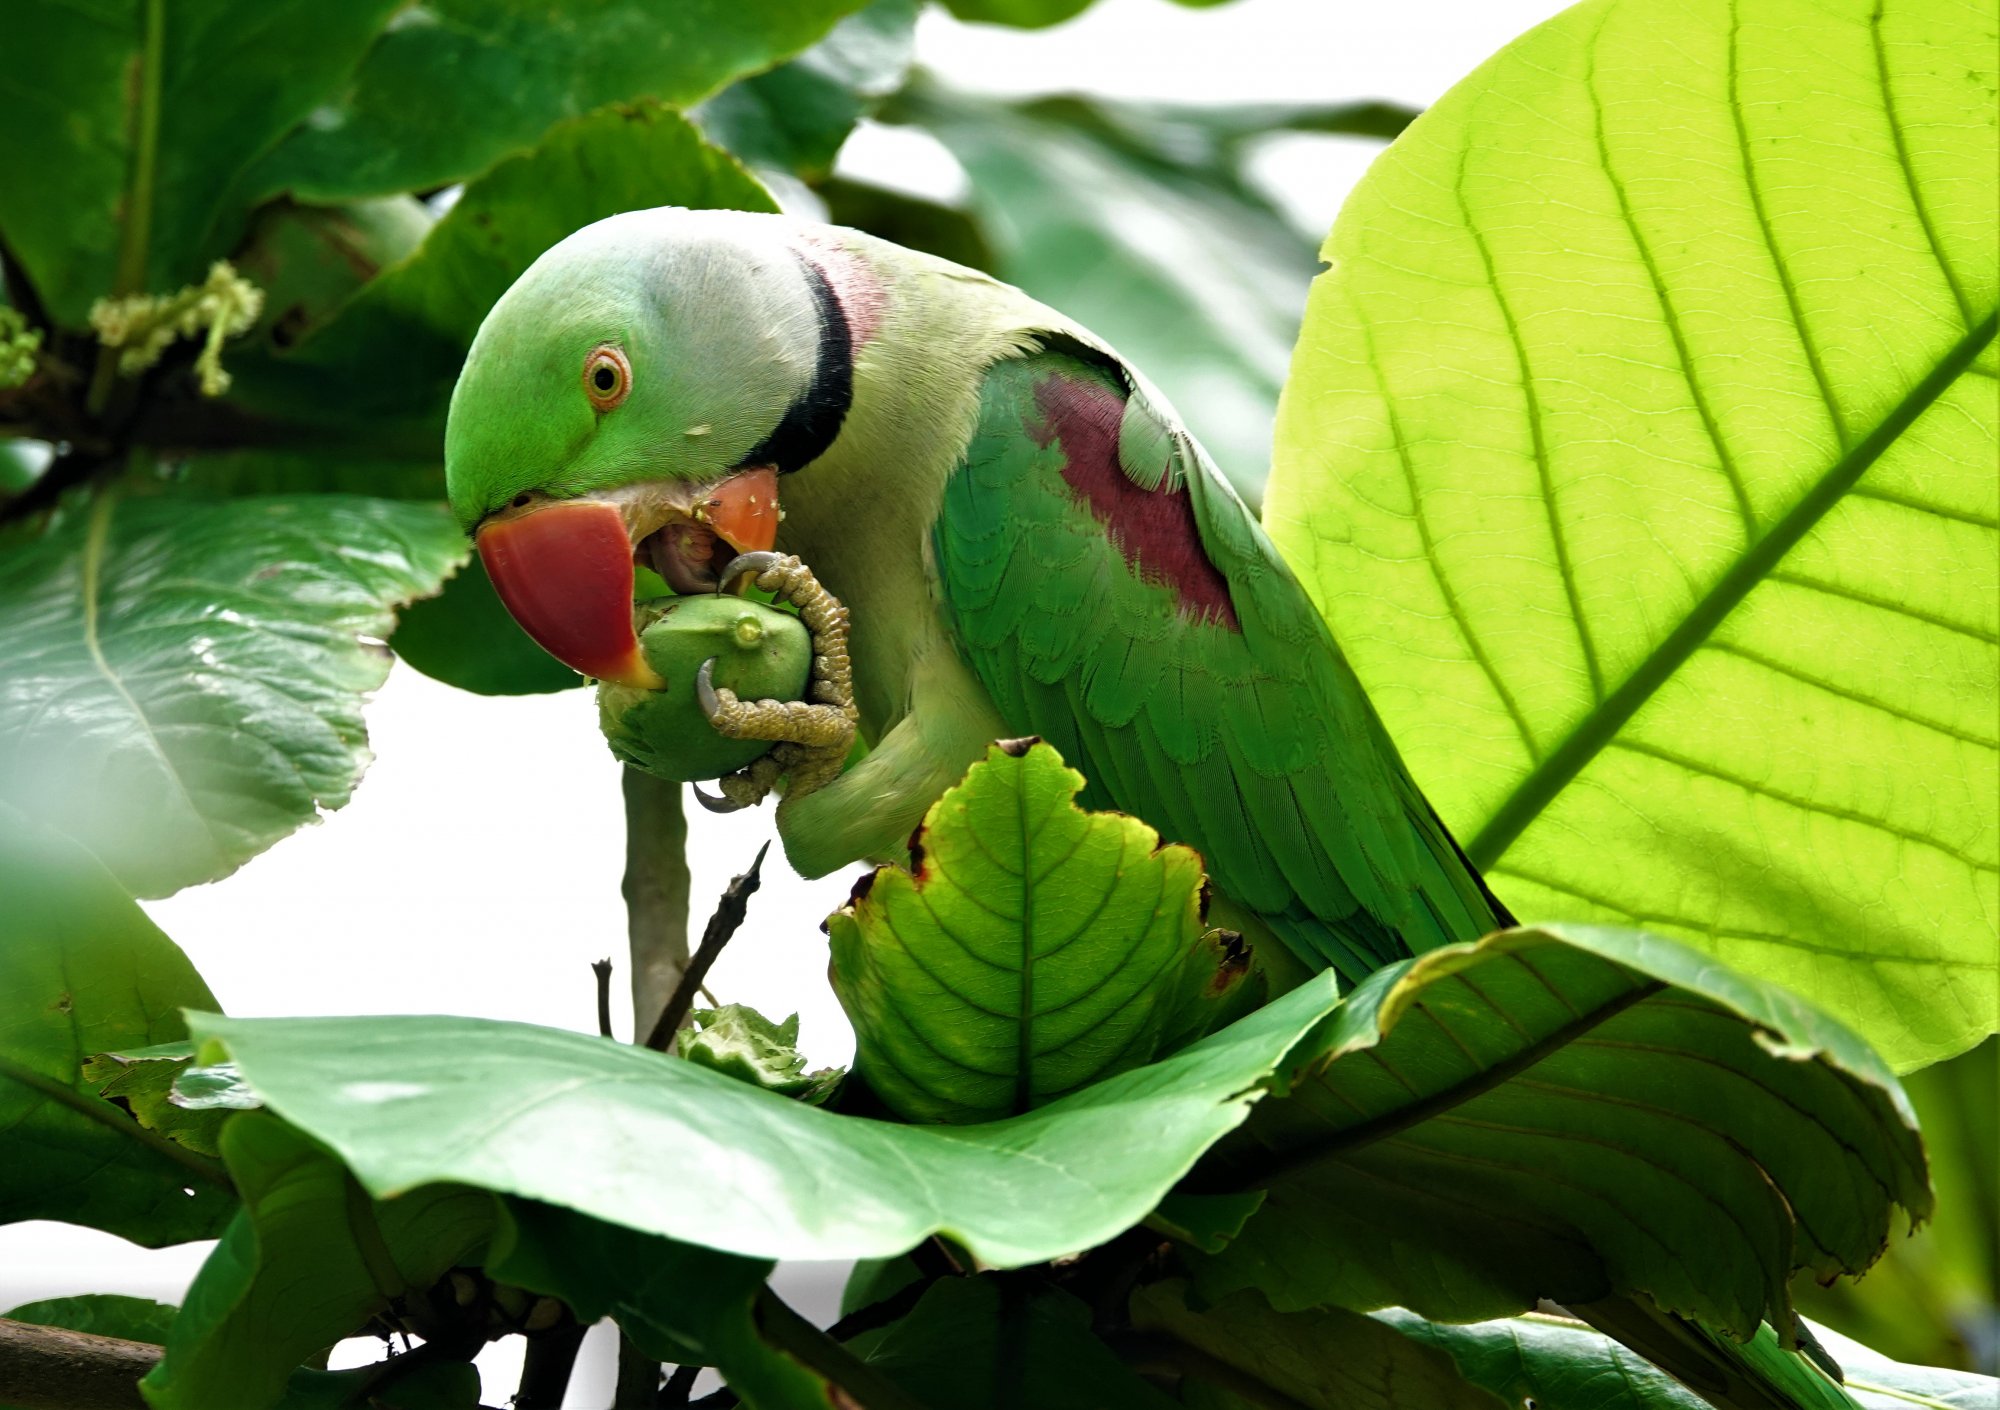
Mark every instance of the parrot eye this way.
pixel 607 377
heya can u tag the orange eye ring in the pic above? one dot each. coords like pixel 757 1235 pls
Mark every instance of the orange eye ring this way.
pixel 607 376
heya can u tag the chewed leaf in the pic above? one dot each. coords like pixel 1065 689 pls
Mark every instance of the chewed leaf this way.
pixel 1035 949
pixel 740 1042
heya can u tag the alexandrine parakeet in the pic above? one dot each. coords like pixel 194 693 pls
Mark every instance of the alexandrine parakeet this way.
pixel 1023 535
pixel 994 527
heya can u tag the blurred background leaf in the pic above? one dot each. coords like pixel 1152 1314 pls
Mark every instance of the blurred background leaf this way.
pixel 1934 1299
pixel 160 107
pixel 452 86
pixel 1141 223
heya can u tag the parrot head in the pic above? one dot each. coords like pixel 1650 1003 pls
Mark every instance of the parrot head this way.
pixel 636 397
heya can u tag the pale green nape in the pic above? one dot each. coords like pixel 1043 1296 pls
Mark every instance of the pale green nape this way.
pixel 710 307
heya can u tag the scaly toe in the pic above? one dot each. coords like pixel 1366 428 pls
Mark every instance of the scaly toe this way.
pixel 756 563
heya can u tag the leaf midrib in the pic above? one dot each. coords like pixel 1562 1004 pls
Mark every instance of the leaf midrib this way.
pixel 1602 723
pixel 95 536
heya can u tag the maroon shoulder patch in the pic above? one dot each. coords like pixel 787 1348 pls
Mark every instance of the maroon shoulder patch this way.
pixel 1154 529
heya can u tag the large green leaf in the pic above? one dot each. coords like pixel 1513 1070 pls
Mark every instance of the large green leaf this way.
pixel 1036 949
pixel 83 970
pixel 125 123
pixel 1239 1353
pixel 1139 223
pixel 185 678
pixel 381 371
pixel 458 84
pixel 796 117
pixel 1639 448
pixel 666 1147
pixel 979 1344
pixel 307 1261
pixel 1577 1114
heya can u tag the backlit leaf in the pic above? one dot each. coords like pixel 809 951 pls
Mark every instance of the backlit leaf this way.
pixel 1036 949
pixel 1640 449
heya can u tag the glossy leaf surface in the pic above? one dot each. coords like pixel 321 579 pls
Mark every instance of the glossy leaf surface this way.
pixel 83 970
pixel 666 1147
pixel 1141 224
pixel 185 678
pixel 1037 947
pixel 1639 448
pixel 1576 1114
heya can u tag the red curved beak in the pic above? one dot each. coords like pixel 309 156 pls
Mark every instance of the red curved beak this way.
pixel 564 569
pixel 565 573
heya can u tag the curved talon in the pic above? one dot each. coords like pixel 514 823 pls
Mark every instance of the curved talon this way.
pixel 756 563
pixel 714 802
pixel 704 690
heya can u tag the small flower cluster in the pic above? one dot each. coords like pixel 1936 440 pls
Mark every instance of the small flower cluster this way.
pixel 18 345
pixel 143 326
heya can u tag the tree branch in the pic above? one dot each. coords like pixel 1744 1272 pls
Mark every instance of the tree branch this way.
pixel 656 894
pixel 54 1368
pixel 729 912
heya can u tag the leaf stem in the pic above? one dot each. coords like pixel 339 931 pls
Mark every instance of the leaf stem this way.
pixel 107 1115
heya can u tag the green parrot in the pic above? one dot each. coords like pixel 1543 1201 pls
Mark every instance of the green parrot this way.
pixel 1008 530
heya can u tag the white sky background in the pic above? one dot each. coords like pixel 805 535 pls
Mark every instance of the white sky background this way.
pixel 477 869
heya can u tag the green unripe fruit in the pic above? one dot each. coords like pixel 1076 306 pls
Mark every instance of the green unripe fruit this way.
pixel 760 653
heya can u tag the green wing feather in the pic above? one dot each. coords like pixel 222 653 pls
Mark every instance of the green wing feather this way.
pixel 1115 597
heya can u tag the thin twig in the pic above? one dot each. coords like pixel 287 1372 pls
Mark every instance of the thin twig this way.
pixel 602 969
pixel 729 912
pixel 105 1114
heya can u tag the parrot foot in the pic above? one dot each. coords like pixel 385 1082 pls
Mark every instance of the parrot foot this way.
pixel 813 737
